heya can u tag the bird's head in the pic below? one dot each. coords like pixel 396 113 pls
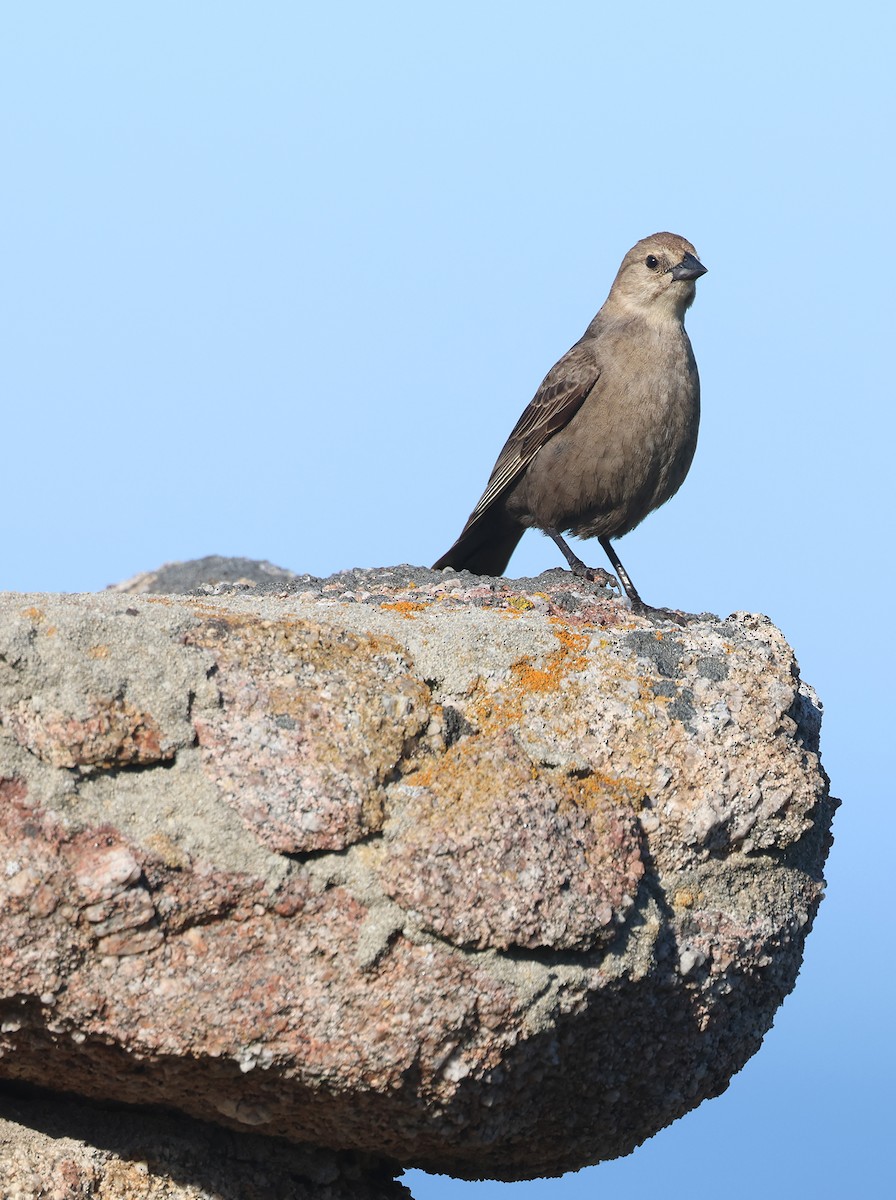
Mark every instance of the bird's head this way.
pixel 657 277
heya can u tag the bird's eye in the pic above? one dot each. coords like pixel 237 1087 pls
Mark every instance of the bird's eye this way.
pixel 652 261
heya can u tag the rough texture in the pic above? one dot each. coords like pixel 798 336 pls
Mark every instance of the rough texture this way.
pixel 210 572
pixel 60 1148
pixel 304 764
pixel 486 877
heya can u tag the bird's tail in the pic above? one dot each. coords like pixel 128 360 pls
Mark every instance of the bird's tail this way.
pixel 485 546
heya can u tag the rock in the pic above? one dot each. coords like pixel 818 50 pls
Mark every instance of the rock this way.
pixel 57 1148
pixel 487 877
pixel 205 574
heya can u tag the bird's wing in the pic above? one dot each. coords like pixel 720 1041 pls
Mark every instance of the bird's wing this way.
pixel 562 393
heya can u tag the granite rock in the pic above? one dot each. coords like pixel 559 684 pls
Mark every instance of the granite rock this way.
pixel 488 877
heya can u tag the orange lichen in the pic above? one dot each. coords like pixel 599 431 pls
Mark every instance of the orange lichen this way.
pixel 426 775
pixel 466 777
pixel 620 790
pixel 406 608
pixel 570 656
pixel 289 634
pixel 503 707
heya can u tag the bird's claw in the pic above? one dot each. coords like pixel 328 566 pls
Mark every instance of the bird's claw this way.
pixel 660 615
pixel 603 578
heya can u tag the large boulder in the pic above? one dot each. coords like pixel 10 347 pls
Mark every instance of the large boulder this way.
pixel 486 877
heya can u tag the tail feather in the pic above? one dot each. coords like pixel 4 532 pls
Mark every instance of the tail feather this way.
pixel 485 546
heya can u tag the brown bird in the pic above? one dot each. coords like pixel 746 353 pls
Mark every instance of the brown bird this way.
pixel 610 434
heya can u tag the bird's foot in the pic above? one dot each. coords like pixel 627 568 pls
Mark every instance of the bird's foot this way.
pixel 598 575
pixel 593 574
pixel 659 616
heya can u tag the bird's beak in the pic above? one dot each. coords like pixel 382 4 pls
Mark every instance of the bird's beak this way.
pixel 690 267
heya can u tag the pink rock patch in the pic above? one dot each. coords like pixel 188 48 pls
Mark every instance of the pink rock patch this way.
pixel 311 722
pixel 490 853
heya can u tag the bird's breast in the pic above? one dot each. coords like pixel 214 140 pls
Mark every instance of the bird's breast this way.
pixel 628 448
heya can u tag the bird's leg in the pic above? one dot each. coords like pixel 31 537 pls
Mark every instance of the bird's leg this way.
pixel 627 586
pixel 599 575
pixel 637 604
pixel 593 574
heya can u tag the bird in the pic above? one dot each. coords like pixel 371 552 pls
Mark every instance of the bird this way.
pixel 611 432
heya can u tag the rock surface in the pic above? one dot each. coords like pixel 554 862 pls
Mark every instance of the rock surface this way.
pixel 59 1148
pixel 487 877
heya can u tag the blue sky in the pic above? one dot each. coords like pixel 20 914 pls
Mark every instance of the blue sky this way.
pixel 277 280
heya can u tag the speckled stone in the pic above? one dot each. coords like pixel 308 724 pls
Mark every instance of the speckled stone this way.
pixel 486 852
pixel 311 722
pixel 483 876
pixel 59 1148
